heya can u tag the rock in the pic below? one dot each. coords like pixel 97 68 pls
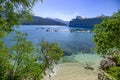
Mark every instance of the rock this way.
pixel 100 76
pixel 106 64
pixel 111 60
pixel 88 66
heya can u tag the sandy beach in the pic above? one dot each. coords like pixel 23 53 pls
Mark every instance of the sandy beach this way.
pixel 72 71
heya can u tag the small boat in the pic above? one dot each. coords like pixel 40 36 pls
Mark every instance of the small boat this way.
pixel 42 28
pixel 36 28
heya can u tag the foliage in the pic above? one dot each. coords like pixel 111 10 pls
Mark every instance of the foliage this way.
pixel 107 34
pixel 4 62
pixel 50 54
pixel 115 70
pixel 110 67
pixel 107 40
pixel 19 62
pixel 24 64
pixel 14 12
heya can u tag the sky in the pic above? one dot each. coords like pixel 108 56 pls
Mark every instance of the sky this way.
pixel 69 9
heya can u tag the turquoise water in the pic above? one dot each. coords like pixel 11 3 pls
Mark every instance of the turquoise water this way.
pixel 70 42
pixel 92 60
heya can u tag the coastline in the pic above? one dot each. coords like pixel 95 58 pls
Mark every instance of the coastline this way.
pixel 72 71
pixel 76 70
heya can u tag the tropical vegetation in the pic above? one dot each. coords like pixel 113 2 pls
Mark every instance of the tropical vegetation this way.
pixel 107 40
pixel 23 61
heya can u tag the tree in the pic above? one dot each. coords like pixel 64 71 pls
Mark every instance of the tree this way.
pixel 19 61
pixel 24 64
pixel 14 12
pixel 107 40
pixel 50 54
pixel 4 61
pixel 107 35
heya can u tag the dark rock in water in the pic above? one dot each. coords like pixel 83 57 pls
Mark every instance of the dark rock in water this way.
pixel 106 64
pixel 67 53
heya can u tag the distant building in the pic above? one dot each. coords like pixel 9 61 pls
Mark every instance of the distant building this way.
pixel 85 23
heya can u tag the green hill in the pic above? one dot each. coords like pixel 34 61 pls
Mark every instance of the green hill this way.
pixel 42 21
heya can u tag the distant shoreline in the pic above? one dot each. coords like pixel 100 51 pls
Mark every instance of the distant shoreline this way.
pixel 42 21
pixel 44 25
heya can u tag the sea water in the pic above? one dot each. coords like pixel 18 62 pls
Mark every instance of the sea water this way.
pixel 72 42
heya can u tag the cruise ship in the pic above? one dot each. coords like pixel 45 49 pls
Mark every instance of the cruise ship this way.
pixel 84 22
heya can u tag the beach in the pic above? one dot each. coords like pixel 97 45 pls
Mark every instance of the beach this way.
pixel 72 71
pixel 76 70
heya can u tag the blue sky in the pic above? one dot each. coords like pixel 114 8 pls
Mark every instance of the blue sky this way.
pixel 68 9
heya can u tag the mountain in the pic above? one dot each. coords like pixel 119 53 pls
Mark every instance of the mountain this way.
pixel 42 21
pixel 59 20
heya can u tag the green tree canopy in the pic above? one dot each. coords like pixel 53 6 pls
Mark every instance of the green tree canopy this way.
pixel 22 60
pixel 50 53
pixel 14 12
pixel 107 35
pixel 19 62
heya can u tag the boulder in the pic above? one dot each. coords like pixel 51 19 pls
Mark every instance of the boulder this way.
pixel 107 63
